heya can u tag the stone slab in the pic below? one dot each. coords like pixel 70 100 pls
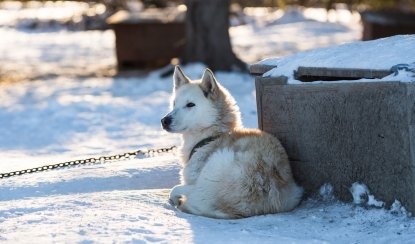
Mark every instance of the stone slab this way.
pixel 341 133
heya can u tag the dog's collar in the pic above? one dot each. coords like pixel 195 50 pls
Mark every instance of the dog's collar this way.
pixel 202 143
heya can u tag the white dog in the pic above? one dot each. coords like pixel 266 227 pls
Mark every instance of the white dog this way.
pixel 229 171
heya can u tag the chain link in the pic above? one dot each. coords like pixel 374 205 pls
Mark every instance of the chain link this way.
pixel 96 160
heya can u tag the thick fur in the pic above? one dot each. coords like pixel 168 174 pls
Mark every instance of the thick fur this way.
pixel 243 172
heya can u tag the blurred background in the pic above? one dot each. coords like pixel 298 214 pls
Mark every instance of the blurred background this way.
pixel 127 36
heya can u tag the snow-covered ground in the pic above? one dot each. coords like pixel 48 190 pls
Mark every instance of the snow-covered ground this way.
pixel 61 104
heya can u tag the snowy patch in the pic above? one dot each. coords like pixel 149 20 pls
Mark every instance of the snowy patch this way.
pixel 362 196
pixel 373 202
pixel 326 192
pixel 381 54
pixel 359 193
pixel 48 16
pixel 402 72
pixel 398 209
pixel 277 34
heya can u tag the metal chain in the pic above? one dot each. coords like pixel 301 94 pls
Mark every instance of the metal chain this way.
pixel 96 160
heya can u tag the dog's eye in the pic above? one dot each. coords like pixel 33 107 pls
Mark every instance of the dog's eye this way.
pixel 189 105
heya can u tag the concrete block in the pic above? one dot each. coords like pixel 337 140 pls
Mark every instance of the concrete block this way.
pixel 341 133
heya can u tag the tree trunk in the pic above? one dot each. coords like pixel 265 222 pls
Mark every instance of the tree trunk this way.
pixel 207 35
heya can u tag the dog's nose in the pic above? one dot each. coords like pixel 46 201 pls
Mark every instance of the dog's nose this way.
pixel 165 122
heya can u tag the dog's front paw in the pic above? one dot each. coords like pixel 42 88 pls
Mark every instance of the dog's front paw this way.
pixel 177 196
pixel 176 201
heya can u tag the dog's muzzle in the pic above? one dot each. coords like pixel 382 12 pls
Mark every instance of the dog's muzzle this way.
pixel 166 122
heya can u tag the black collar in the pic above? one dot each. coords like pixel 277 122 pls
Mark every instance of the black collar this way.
pixel 201 144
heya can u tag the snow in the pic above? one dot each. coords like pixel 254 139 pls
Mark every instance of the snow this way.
pixel 361 195
pixel 277 34
pixel 326 192
pixel 376 54
pixel 62 103
pixel 358 192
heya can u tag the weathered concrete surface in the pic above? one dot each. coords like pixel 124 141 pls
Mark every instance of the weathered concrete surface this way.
pixel 341 133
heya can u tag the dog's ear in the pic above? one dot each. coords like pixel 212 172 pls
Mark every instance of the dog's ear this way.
pixel 209 84
pixel 179 78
